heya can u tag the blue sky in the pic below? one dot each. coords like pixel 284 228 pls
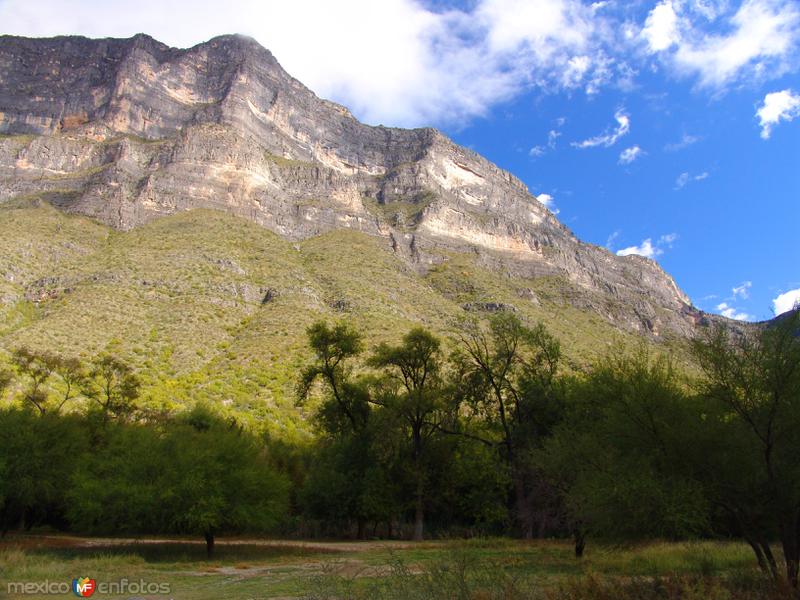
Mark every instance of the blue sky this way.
pixel 669 128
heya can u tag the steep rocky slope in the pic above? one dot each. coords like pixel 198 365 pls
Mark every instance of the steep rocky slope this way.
pixel 126 131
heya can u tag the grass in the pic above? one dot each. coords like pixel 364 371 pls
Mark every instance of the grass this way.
pixel 484 568
pixel 287 163
pixel 400 212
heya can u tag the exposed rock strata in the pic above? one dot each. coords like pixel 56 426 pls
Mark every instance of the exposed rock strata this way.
pixel 129 130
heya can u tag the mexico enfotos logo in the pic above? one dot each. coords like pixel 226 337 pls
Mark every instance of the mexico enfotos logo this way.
pixel 84 587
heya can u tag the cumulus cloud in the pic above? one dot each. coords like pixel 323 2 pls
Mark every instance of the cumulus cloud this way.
pixel 786 301
pixel 730 312
pixel 777 107
pixel 398 62
pixel 408 63
pixel 629 155
pixel 758 39
pixel 647 248
pixel 549 202
pixel 661 27
pixel 609 137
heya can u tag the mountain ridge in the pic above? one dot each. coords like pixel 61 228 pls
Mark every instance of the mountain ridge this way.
pixel 129 130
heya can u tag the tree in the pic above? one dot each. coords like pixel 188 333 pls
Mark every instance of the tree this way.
pixel 37 454
pixel 199 475
pixel 333 347
pixel 752 389
pixel 39 370
pixel 412 393
pixel 621 456
pixel 344 416
pixel 509 382
pixel 112 385
pixel 6 377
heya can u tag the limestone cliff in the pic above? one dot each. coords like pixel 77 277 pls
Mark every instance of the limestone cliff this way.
pixel 126 131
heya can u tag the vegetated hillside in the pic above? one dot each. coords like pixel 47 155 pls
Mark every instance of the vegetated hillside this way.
pixel 211 306
pixel 129 131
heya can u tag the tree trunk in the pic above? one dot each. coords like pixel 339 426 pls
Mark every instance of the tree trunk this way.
pixel 419 509
pixel 580 542
pixel 362 528
pixel 419 519
pixel 523 514
pixel 762 562
pixel 209 544
pixel 773 564
pixel 792 563
pixel 791 551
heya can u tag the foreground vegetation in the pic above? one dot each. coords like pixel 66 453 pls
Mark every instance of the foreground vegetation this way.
pixel 479 568
pixel 173 380
pixel 492 438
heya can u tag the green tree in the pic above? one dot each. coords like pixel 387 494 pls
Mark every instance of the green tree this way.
pixel 752 390
pixel 112 385
pixel 621 456
pixel 346 400
pixel 200 475
pixel 341 484
pixel 49 381
pixel 412 393
pixel 509 388
pixel 37 454
pixel 6 378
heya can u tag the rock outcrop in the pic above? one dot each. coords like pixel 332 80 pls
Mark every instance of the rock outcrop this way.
pixel 128 130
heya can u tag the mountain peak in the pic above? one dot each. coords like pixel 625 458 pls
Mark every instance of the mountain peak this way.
pixel 127 131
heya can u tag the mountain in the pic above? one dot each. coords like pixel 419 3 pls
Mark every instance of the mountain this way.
pixel 109 148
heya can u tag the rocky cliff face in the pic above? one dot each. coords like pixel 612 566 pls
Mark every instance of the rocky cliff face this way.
pixel 126 131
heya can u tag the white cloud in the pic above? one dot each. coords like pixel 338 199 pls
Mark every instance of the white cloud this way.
pixel 743 290
pixel 629 155
pixel 611 238
pixel 667 239
pixel 777 106
pixel 549 202
pixel 661 27
pixel 685 178
pixel 552 136
pixel 710 9
pixel 403 62
pixel 786 301
pixel 396 62
pixel 686 141
pixel 609 138
pixel 759 39
pixel 730 312
pixel 645 249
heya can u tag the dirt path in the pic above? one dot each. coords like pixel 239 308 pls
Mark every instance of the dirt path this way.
pixel 70 541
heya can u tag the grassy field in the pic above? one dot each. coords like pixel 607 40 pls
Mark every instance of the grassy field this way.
pixel 484 568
